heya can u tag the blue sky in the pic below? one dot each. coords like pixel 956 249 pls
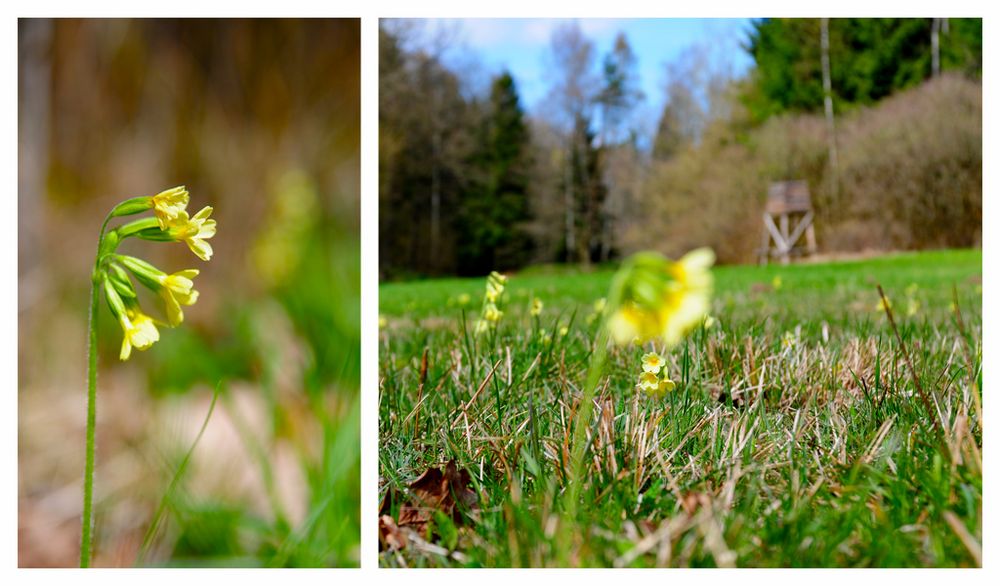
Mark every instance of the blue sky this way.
pixel 521 45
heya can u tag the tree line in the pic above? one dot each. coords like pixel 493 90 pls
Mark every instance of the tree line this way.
pixel 470 182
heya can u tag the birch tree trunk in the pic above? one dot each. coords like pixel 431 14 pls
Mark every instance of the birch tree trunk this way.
pixel 831 131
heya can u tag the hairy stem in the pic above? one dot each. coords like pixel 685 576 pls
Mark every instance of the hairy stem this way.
pixel 88 473
pixel 86 532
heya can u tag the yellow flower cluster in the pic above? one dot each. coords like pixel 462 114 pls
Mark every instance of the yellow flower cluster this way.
pixel 912 303
pixel 650 381
pixel 661 299
pixel 170 223
pixel 598 312
pixel 491 313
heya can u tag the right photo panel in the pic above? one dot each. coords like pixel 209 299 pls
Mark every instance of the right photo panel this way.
pixel 680 292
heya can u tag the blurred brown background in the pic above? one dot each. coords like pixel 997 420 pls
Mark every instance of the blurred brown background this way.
pixel 259 119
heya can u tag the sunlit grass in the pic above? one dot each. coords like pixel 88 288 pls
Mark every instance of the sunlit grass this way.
pixel 795 435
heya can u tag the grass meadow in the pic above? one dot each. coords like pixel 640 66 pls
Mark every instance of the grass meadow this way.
pixel 801 431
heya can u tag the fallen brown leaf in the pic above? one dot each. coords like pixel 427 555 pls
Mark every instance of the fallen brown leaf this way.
pixel 446 490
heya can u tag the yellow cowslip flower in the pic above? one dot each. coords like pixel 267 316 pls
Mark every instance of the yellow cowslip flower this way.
pixel 194 231
pixel 663 299
pixel 563 331
pixel 776 282
pixel 481 326
pixel 545 336
pixel 649 382
pixel 169 204
pixel 912 307
pixel 176 290
pixel 382 322
pixel 883 304
pixel 652 362
pixel 499 278
pixel 139 331
pixel 709 322
pixel 464 299
pixel 491 313
pixel 493 291
pixel 536 307
pixel 666 385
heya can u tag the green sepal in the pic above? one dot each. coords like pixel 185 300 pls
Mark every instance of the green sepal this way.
pixel 147 274
pixel 114 299
pixel 120 281
pixel 109 243
pixel 136 205
pixel 155 234
pixel 136 227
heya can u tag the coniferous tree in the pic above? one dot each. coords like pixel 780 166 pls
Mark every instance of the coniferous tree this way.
pixel 494 212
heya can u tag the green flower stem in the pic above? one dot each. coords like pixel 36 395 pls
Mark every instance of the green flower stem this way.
pixel 86 538
pixel 595 372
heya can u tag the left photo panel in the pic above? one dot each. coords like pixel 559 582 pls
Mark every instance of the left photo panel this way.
pixel 188 293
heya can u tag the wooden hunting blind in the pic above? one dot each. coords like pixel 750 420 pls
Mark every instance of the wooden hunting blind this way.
pixel 789 202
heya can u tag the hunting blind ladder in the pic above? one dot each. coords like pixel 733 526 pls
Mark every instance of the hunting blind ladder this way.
pixel 788 201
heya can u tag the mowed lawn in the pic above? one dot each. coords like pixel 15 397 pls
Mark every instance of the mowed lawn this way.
pixel 797 434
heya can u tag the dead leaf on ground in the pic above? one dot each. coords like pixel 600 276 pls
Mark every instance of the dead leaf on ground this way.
pixel 446 490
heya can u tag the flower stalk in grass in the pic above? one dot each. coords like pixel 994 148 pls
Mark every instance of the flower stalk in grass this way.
pixel 651 298
pixel 113 275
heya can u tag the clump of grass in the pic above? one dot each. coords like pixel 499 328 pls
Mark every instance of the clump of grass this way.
pixel 795 435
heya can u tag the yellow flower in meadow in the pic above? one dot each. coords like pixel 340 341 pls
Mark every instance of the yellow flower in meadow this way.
pixel 491 313
pixel 776 282
pixel 912 307
pixel 649 382
pixel 498 278
pixel 464 299
pixel 481 326
pixel 536 307
pixel 911 289
pixel 666 385
pixel 382 322
pixel 563 331
pixel 883 304
pixel 194 231
pixel 176 290
pixel 709 322
pixel 652 362
pixel 139 331
pixel 493 292
pixel 599 305
pixel 663 299
pixel 168 205
pixel 789 339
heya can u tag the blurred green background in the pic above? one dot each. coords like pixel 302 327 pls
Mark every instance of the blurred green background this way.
pixel 259 119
